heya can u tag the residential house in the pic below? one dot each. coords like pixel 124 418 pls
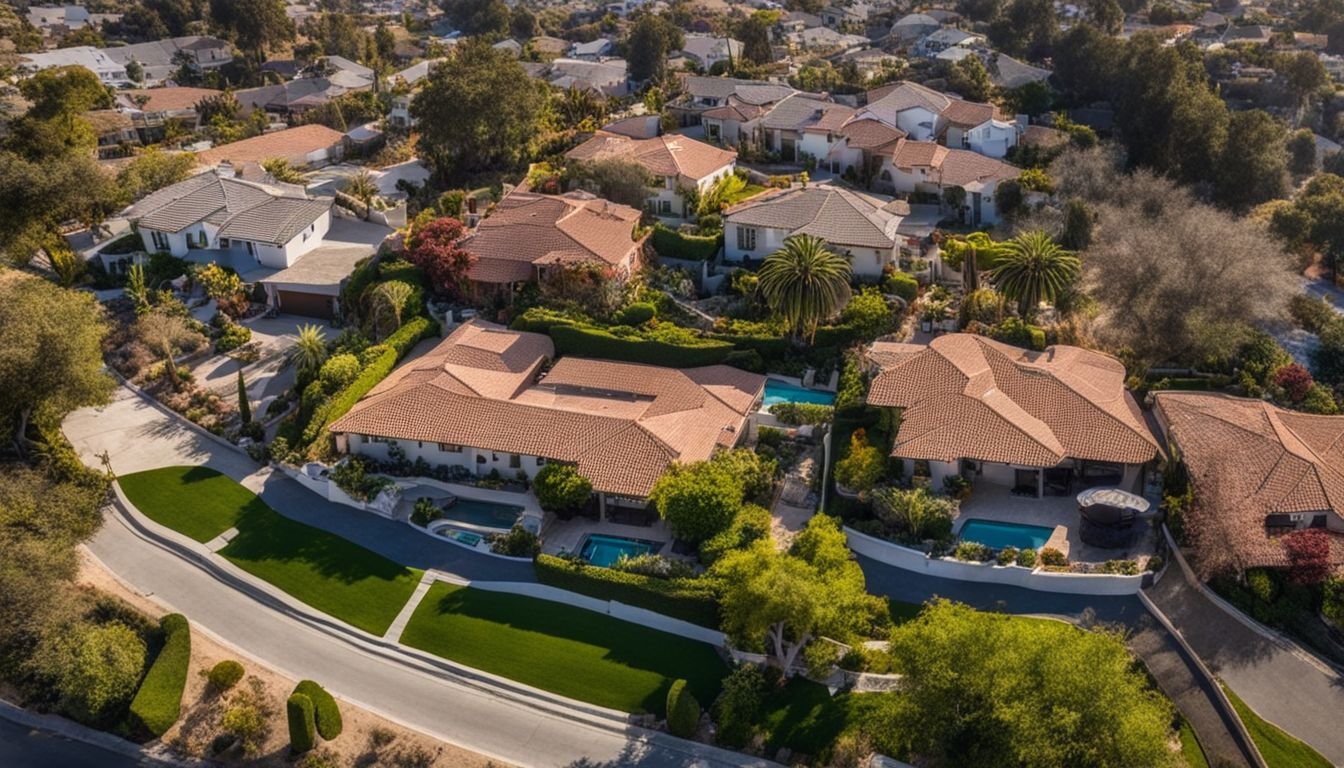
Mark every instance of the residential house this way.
pixel 928 115
pixel 852 15
pixel 703 94
pixel 305 146
pixel 528 234
pixel 947 37
pixel 708 50
pixel 593 50
pixel 509 46
pixel 108 70
pixel 609 77
pixel 161 59
pixel 825 39
pixel 925 168
pixel 803 126
pixel 290 97
pixel 404 85
pixel 62 17
pixel 1035 422
pixel 1258 472
pixel 912 28
pixel 860 226
pixel 480 401
pixel 797 21
pixel 637 127
pixel 1010 74
pixel 115 131
pixel 676 163
pixel 347 74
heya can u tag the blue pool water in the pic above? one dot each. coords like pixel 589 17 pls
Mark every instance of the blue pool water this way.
pixel 606 550
pixel 486 514
pixel 777 392
pixel 997 535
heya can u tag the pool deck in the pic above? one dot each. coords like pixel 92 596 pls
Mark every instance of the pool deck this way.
pixel 433 489
pixel 560 536
pixel 997 503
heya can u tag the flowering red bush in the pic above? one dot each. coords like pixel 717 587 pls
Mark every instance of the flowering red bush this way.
pixel 434 248
pixel 1295 381
pixel 1308 555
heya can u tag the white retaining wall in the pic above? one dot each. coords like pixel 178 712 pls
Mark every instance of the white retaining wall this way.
pixel 948 568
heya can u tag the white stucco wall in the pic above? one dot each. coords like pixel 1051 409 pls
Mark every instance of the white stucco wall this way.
pixel 479 461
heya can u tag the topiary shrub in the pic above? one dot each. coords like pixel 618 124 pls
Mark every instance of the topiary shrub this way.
pixel 1027 558
pixel 902 284
pixel 1053 557
pixel 299 710
pixel 683 711
pixel 560 488
pixel 225 675
pixel 972 551
pixel 738 706
pixel 158 703
pixel 338 371
pixel 1007 556
pixel 638 313
pixel 326 713
pixel 1261 584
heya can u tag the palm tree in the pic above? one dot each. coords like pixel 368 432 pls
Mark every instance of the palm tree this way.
pixel 136 290
pixel 310 351
pixel 1033 268
pixel 804 283
pixel 971 253
pixel 391 298
pixel 362 187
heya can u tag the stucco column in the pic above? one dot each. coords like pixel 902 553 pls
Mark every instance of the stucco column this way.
pixel 602 507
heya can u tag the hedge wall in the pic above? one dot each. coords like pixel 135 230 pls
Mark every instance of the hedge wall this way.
pixel 158 703
pixel 326 713
pixel 594 342
pixel 672 244
pixel 694 600
pixel 683 711
pixel 299 711
pixel 340 403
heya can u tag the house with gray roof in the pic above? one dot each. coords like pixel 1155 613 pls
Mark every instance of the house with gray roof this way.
pixel 909 29
pixel 859 226
pixel 160 59
pixel 704 94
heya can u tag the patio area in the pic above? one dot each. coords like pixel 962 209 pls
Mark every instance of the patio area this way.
pixel 997 503
pixel 482 510
pixel 567 536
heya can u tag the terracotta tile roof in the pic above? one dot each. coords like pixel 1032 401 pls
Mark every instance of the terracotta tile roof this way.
pixel 911 154
pixel 621 423
pixel 954 167
pixel 292 144
pixel 968 114
pixel 965 396
pixel 528 229
pixel 867 133
pixel 173 99
pixel 666 155
pixel 1247 460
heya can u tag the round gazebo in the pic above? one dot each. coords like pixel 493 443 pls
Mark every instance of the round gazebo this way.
pixel 1108 516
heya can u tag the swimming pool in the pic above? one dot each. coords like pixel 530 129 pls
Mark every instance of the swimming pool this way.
pixel 486 514
pixel 606 550
pixel 997 535
pixel 777 392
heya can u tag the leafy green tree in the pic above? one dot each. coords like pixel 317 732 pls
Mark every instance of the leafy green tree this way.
pixel 1302 152
pixel 969 78
pixel 1034 268
pixel 754 32
pixel 739 706
pixel 1000 703
pixel 337 34
pixel 97 670
pixel 478 111
pixel 651 39
pixel 1026 28
pixel 523 24
pixel 618 180
pixel 863 466
pixel 1255 167
pixel 51 358
pixel 479 17
pixel 136 290
pixel 244 406
pixel 979 10
pixel 868 314
pixel 697 500
pixel 390 298
pixel 804 283
pixel 1305 74
pixel 560 488
pixel 255 26
pixel 1106 15
pixel 153 170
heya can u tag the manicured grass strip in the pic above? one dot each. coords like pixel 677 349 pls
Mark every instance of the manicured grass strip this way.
pixel 804 717
pixel 1280 749
pixel 335 576
pixel 562 649
pixel 1190 749
pixel 194 501
pixel 158 703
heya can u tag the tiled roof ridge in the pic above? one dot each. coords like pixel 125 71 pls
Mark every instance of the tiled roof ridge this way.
pixel 1003 406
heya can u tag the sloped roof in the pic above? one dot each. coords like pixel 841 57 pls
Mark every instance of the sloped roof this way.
pixel 172 99
pixel 968 113
pixel 529 229
pixel 836 215
pixel 952 167
pixel 867 133
pixel 292 144
pixel 898 97
pixel 242 209
pixel 622 424
pixel 1248 459
pixel 801 111
pixel 666 155
pixel 966 396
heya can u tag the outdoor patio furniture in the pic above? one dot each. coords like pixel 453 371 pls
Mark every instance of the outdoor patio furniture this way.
pixel 1108 516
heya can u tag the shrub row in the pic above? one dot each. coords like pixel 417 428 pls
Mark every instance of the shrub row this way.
pixel 325 711
pixel 683 711
pixel 595 342
pixel 398 344
pixel 671 244
pixel 158 703
pixel 693 600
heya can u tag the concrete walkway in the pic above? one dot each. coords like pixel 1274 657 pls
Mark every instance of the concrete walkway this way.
pixel 1282 684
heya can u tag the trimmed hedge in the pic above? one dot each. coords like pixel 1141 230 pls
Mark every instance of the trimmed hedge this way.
pixel 398 344
pixel 683 711
pixel 225 675
pixel 326 713
pixel 158 703
pixel 671 244
pixel 299 710
pixel 594 342
pixel 694 600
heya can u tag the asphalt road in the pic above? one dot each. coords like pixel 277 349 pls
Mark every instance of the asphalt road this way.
pixel 24 747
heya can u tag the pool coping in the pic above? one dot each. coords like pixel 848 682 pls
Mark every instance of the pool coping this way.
pixel 477 550
pixel 655 546
pixel 1049 536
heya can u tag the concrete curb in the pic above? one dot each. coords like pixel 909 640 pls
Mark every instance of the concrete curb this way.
pixel 69 729
pixel 1220 697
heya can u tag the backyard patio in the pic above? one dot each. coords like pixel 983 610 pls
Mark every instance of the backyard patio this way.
pixel 997 503
pixel 567 536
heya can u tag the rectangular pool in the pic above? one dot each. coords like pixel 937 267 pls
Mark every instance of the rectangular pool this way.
pixel 606 550
pixel 997 535
pixel 777 392
pixel 486 514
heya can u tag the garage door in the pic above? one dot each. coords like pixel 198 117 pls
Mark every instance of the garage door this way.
pixel 307 304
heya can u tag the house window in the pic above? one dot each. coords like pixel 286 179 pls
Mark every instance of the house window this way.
pixel 251 251
pixel 450 448
pixel 541 461
pixel 515 461
pixel 746 239
pixel 665 207
pixel 223 242
pixel 712 130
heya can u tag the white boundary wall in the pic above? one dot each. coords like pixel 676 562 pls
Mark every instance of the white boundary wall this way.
pixel 1012 575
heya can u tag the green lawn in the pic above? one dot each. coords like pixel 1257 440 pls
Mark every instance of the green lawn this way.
pixel 562 649
pixel 333 575
pixel 1190 749
pixel 1280 749
pixel 751 190
pixel 195 501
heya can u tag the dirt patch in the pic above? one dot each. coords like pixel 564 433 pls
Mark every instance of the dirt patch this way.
pixel 246 725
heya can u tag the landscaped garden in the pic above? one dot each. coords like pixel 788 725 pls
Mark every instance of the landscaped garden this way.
pixel 333 575
pixel 562 649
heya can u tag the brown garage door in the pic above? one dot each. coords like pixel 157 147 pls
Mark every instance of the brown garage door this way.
pixel 306 304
